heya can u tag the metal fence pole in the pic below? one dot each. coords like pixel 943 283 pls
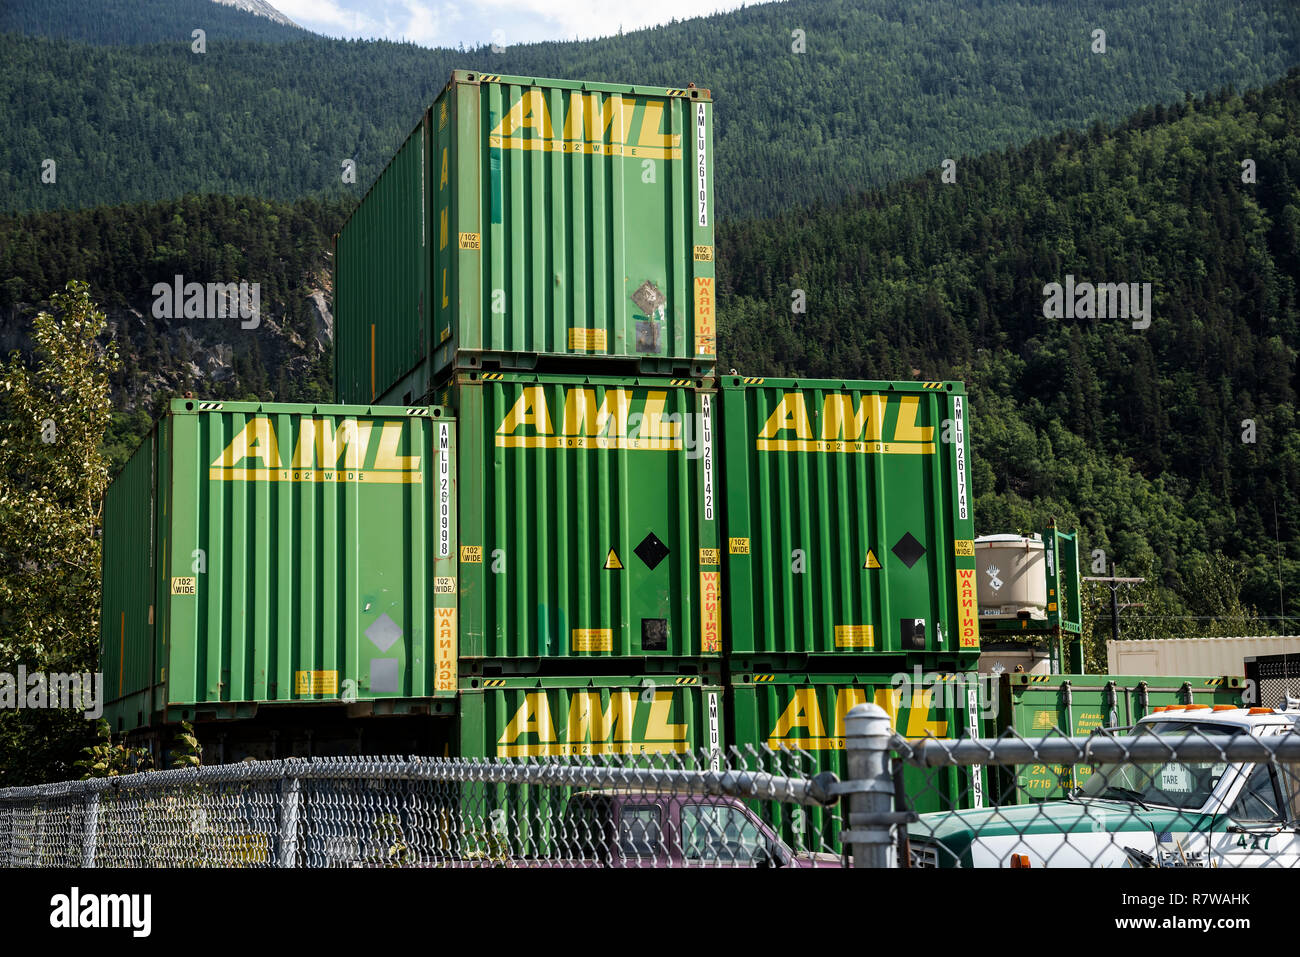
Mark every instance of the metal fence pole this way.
pixel 869 787
pixel 290 796
pixel 91 829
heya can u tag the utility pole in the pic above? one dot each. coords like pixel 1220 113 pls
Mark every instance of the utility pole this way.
pixel 1113 582
pixel 1114 606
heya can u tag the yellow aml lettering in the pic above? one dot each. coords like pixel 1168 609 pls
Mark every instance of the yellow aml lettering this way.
pixel 583 415
pixel 802 712
pixel 906 429
pixel 790 413
pixel 839 419
pixel 349 441
pixel 529 409
pixel 533 717
pixel 387 457
pixel 589 722
pixel 255 441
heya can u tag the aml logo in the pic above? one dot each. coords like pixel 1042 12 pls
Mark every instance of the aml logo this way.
pixel 802 724
pixel 626 725
pixel 591 422
pixel 846 427
pixel 324 452
pixel 588 123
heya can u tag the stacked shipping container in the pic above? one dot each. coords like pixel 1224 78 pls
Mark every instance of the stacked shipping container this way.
pixel 539 256
pixel 644 556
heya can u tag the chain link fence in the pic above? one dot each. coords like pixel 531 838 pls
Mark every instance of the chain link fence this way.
pixel 1176 793
pixel 706 810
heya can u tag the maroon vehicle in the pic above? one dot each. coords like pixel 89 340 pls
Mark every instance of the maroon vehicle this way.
pixel 618 828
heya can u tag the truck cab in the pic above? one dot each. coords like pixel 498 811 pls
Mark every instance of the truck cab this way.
pixel 1171 813
pixel 625 828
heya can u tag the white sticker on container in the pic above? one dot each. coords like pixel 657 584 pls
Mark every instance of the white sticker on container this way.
pixel 706 440
pixel 976 770
pixel 701 165
pixel 444 490
pixel 715 750
pixel 961 457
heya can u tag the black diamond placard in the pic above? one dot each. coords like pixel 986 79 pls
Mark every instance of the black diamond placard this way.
pixel 651 551
pixel 908 550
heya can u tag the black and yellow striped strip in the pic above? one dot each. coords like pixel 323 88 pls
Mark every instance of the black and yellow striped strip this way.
pixel 494 682
pixel 493 376
pixel 681 382
pixel 753 380
pixel 489 77
pixel 761 678
pixel 931 385
pixel 688 679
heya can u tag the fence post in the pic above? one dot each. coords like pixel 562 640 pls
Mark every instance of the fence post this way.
pixel 91 829
pixel 290 794
pixel 870 787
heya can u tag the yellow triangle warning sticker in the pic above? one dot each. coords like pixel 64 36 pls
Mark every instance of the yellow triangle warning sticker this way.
pixel 871 560
pixel 611 561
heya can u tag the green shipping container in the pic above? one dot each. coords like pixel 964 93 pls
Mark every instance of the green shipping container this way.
pixel 805 714
pixel 263 553
pixel 579 717
pixel 529 217
pixel 847 509
pixel 588 524
pixel 1033 706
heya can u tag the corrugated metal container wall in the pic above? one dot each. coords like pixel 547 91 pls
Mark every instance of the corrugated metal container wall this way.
pixel 588 527
pixel 543 717
pixel 805 713
pixel 382 280
pixel 1036 705
pixel 1195 656
pixel 848 518
pixel 308 553
pixel 130 580
pixel 566 219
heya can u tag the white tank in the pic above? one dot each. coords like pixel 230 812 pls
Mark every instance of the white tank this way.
pixel 1011 577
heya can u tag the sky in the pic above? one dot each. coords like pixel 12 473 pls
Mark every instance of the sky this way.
pixel 477 22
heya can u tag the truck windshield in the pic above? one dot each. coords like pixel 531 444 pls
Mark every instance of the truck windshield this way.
pixel 719 833
pixel 1186 785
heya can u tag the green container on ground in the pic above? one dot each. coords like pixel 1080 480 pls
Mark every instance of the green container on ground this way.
pixel 527 218
pixel 637 720
pixel 847 509
pixel 1037 705
pixel 805 713
pixel 588 524
pixel 274 553
pixel 529 717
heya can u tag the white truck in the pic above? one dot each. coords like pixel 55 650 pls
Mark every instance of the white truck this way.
pixel 1172 813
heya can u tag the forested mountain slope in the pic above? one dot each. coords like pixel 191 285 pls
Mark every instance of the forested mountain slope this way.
pixel 881 90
